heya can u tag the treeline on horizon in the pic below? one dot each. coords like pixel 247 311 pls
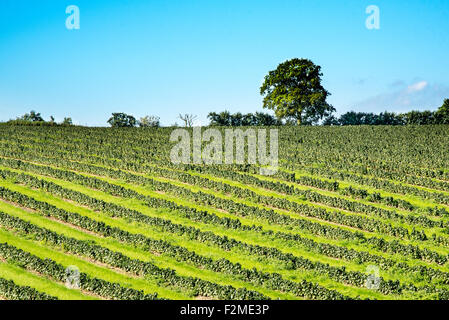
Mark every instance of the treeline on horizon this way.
pixel 295 93
pixel 351 118
pixel 35 119
pixel 226 118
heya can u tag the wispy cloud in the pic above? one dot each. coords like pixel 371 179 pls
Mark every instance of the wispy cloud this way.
pixel 419 86
pixel 420 95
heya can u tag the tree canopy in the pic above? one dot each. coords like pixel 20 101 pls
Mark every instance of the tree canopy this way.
pixel 67 121
pixel 442 114
pixel 414 117
pixel 120 120
pixel 225 118
pixel 294 90
pixel 32 116
pixel 149 121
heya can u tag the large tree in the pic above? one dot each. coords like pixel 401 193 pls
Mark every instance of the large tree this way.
pixel 294 90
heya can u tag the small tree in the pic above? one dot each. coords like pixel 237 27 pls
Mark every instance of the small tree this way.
pixel 32 116
pixel 120 120
pixel 67 121
pixel 188 119
pixel 331 121
pixel 220 119
pixel 149 121
pixel 36 116
pixel 294 90
pixel 442 115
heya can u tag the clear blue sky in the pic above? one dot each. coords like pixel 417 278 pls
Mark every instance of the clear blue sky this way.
pixel 194 56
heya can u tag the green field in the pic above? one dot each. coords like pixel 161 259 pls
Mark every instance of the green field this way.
pixel 352 213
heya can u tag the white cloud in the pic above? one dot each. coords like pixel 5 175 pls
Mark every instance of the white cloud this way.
pixel 419 86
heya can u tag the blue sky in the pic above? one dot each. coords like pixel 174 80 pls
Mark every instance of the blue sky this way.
pixel 193 56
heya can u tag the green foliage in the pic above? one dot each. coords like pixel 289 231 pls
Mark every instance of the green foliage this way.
pixel 442 114
pixel 360 118
pixel 419 118
pixel 121 120
pixel 353 118
pixel 158 203
pixel 149 121
pixel 343 199
pixel 67 121
pixel 12 291
pixel 294 90
pixel 34 119
pixel 32 116
pixel 27 123
pixel 58 272
pixel 225 118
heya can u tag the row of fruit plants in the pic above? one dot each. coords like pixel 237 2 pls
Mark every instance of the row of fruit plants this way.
pixel 168 276
pixel 297 262
pixel 244 210
pixel 303 180
pixel 354 221
pixel 118 260
pixel 11 291
pixel 58 272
